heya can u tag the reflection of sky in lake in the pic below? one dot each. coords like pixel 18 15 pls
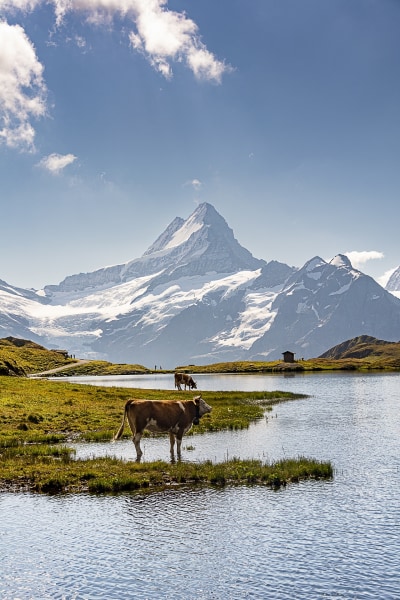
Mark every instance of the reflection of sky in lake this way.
pixel 228 382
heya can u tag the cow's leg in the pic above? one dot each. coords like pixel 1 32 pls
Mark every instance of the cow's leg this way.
pixel 178 445
pixel 172 444
pixel 136 440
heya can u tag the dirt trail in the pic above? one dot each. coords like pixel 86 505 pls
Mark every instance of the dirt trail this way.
pixel 68 366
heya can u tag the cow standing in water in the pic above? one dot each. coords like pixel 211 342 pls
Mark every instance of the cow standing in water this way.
pixel 162 416
pixel 186 380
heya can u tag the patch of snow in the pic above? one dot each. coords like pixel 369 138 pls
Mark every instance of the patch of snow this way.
pixel 301 308
pixel 314 275
pixel 342 290
pixel 340 261
pixel 314 263
pixel 295 288
pixel 255 320
pixel 183 233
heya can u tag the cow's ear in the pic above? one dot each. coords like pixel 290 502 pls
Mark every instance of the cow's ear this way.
pixel 197 399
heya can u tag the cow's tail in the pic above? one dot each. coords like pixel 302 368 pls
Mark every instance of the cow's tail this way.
pixel 121 429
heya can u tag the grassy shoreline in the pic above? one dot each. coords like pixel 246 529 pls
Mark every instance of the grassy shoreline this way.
pixel 55 472
pixel 38 418
pixel 102 368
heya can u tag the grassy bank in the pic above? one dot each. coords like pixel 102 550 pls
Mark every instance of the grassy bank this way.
pixel 38 417
pixel 50 469
pixel 384 362
pixel 378 363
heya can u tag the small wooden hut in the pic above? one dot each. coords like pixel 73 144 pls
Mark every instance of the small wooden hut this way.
pixel 288 357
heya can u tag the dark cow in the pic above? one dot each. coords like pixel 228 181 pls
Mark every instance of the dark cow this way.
pixel 162 416
pixel 186 380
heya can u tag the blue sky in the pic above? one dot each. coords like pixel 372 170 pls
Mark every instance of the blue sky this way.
pixel 118 115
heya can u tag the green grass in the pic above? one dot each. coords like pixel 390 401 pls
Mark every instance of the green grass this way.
pixel 51 469
pixel 38 418
pixel 388 360
pixel 101 367
pixel 24 357
pixel 28 358
pixel 34 409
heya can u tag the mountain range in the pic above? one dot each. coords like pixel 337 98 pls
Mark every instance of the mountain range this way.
pixel 196 296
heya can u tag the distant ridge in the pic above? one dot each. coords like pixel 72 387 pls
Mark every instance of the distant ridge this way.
pixel 359 347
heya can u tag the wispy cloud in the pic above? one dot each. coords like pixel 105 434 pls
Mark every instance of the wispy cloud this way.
pixel 163 36
pixel 196 184
pixel 22 88
pixel 55 163
pixel 359 258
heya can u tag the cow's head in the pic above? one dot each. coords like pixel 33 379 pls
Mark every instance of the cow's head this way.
pixel 193 384
pixel 202 408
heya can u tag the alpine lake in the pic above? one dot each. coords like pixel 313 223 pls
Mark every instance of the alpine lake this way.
pixel 310 540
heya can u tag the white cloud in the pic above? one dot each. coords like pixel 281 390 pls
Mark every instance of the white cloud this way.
pixel 55 163
pixel 22 5
pixel 358 259
pixel 162 35
pixel 204 65
pixel 22 89
pixel 165 35
pixel 80 42
pixel 196 184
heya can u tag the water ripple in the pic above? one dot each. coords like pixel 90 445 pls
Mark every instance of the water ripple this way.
pixel 313 540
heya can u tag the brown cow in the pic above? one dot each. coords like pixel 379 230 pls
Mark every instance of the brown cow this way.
pixel 161 416
pixel 186 380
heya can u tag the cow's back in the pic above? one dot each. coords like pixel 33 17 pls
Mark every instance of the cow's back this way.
pixel 158 415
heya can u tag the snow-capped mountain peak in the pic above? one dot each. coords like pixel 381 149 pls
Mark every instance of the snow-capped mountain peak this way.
pixel 200 244
pixel 180 231
pixel 341 260
pixel 197 296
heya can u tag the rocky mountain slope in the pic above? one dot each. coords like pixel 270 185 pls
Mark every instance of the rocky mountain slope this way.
pixel 197 296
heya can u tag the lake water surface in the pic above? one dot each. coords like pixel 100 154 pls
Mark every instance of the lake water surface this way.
pixel 312 540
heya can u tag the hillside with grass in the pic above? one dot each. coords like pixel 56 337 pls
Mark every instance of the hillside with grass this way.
pixel 363 346
pixel 22 358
